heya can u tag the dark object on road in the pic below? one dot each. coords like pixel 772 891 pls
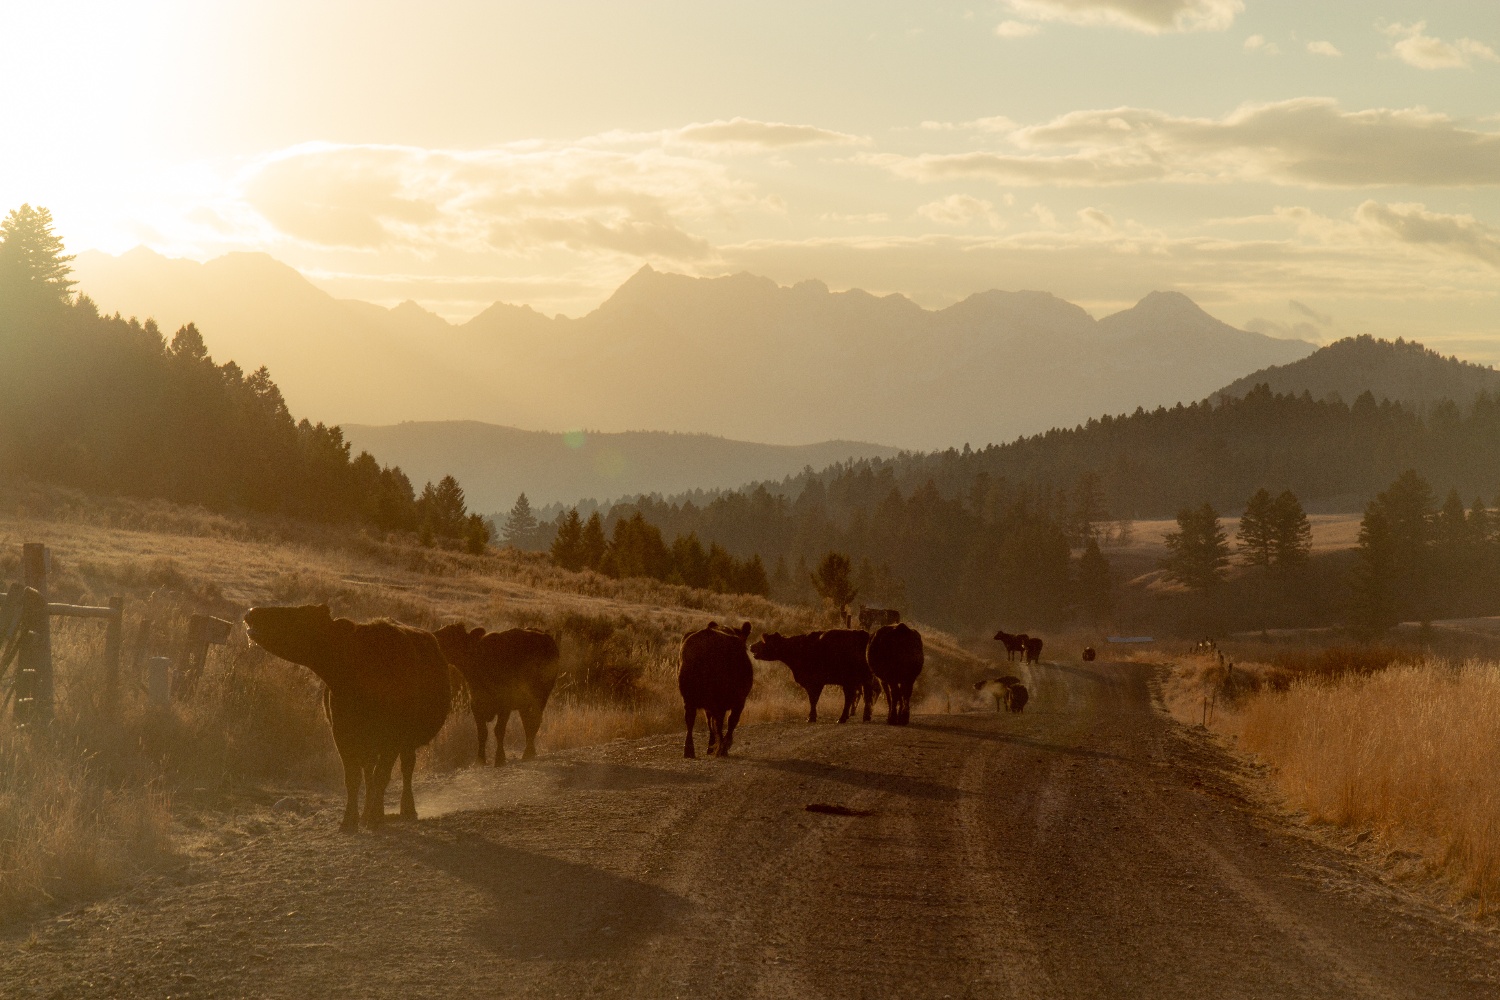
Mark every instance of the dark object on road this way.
pixel 832 810
pixel 1013 643
pixel 895 657
pixel 510 671
pixel 1033 650
pixel 871 619
pixel 715 675
pixel 1089 654
pixel 819 659
pixel 386 694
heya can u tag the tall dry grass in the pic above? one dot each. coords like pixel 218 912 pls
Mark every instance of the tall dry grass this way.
pixel 1371 738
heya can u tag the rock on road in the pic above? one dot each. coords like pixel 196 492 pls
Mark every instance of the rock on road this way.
pixel 1087 848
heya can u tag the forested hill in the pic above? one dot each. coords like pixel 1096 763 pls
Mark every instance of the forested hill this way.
pixel 112 406
pixel 1334 455
pixel 1404 372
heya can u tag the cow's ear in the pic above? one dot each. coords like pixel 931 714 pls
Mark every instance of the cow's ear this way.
pixel 745 631
pixel 712 625
pixel 476 633
pixel 324 610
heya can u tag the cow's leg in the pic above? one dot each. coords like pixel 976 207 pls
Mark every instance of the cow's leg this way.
pixel 813 694
pixel 689 719
pixel 353 775
pixel 729 726
pixel 849 696
pixel 892 703
pixel 408 801
pixel 377 777
pixel 869 693
pixel 997 704
pixel 482 727
pixel 711 723
pixel 502 723
pixel 531 721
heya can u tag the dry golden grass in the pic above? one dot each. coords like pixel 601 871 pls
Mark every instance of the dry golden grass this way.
pixel 91 801
pixel 1374 739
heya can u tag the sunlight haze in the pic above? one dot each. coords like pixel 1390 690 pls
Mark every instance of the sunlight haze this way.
pixel 1306 171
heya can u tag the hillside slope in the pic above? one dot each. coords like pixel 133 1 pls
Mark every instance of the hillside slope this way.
pixel 497 463
pixel 1403 371
pixel 737 356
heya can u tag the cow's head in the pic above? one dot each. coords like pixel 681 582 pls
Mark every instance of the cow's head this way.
pixel 458 643
pixel 768 647
pixel 299 634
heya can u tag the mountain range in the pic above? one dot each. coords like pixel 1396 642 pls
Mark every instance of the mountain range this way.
pixel 738 356
pixel 495 464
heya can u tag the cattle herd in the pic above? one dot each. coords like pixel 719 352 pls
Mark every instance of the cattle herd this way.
pixel 386 690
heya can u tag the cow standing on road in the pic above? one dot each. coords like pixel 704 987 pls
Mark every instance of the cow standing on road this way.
pixel 819 659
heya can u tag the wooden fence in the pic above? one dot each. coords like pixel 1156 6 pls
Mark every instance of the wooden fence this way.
pixel 26 642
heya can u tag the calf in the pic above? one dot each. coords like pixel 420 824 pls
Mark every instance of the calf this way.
pixel 1006 690
pixel 895 657
pixel 510 671
pixel 714 675
pixel 819 659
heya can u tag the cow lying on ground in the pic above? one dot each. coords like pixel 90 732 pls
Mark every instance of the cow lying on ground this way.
pixel 715 676
pixel 895 657
pixel 510 671
pixel 1007 690
pixel 386 694
pixel 819 659
pixel 1013 643
pixel 1033 649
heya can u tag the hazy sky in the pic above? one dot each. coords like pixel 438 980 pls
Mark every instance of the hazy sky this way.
pixel 1311 169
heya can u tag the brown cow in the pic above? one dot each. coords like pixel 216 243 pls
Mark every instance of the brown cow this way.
pixel 715 675
pixel 818 659
pixel 999 689
pixel 895 657
pixel 510 671
pixel 386 694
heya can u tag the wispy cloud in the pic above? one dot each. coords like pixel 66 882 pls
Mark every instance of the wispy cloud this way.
pixel 1324 49
pixel 747 132
pixel 1151 16
pixel 1258 44
pixel 1308 141
pixel 1016 29
pixel 1413 46
pixel 960 210
pixel 1414 224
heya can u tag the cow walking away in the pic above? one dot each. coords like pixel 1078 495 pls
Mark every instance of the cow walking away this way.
pixel 895 657
pixel 385 694
pixel 820 659
pixel 1033 650
pixel 510 671
pixel 715 676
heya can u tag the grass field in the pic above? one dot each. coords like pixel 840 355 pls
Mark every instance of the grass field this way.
pixel 112 789
pixel 1396 749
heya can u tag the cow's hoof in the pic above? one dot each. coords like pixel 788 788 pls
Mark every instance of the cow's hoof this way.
pixel 529 754
pixel 349 826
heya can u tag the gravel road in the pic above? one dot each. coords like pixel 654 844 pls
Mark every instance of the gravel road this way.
pixel 1087 848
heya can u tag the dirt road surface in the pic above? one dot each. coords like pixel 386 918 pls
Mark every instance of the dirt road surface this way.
pixel 1087 848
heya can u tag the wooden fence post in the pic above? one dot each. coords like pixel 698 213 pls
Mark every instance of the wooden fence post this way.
pixel 114 639
pixel 203 631
pixel 36 654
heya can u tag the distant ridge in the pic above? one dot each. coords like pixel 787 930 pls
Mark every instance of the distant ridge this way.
pixel 738 356
pixel 496 464
pixel 1403 371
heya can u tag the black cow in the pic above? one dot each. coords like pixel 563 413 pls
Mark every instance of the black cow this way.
pixel 716 676
pixel 1013 643
pixel 818 659
pixel 895 657
pixel 1033 650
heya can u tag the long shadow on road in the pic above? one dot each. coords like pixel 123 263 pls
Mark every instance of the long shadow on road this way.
pixel 995 736
pixel 874 780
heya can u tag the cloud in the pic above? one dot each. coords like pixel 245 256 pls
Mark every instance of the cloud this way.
pixel 1016 29
pixel 1323 49
pixel 960 210
pixel 1413 46
pixel 997 123
pixel 1150 16
pixel 1413 224
pixel 1307 142
pixel 746 132
pixel 1322 319
pixel 1097 218
pixel 1258 43
pixel 514 199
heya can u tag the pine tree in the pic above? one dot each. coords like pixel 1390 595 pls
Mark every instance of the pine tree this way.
pixel 832 582
pixel 1088 509
pixel 567 546
pixel 592 547
pixel 32 262
pixel 1199 549
pixel 751 578
pixel 476 534
pixel 1095 584
pixel 1291 537
pixel 520 524
pixel 1481 526
pixel 1257 534
pixel 1376 574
